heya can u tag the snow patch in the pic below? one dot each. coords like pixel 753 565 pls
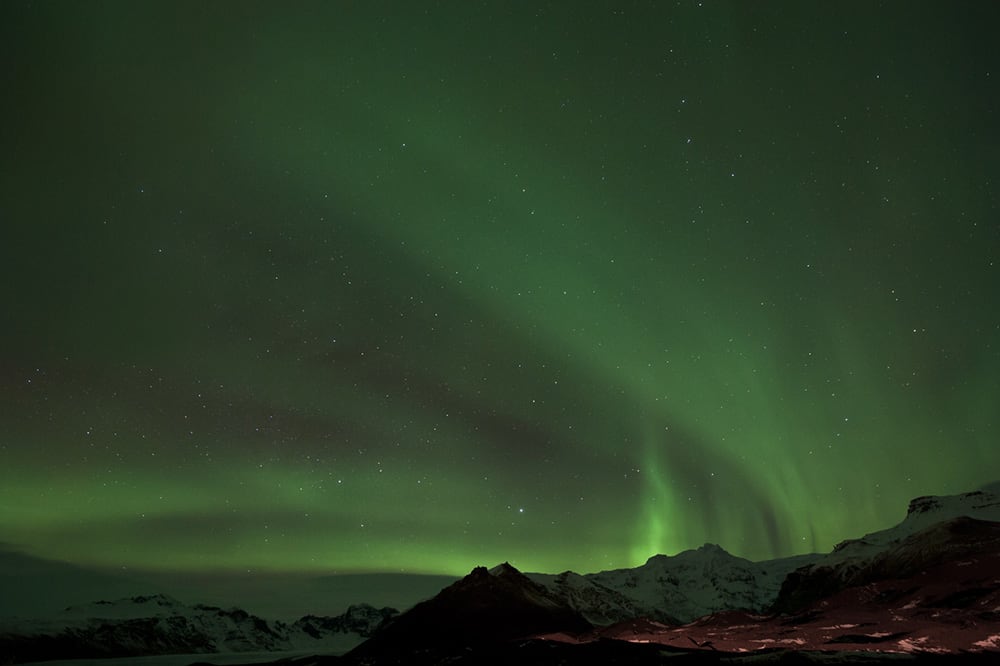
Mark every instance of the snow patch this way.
pixel 912 644
pixel 920 644
pixel 989 643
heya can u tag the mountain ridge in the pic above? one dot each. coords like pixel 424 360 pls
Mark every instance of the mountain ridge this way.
pixel 938 562
pixel 159 624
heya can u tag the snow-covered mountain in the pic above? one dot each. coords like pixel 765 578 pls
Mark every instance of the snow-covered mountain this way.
pixel 952 537
pixel 159 624
pixel 674 589
pixel 927 585
pixel 936 592
pixel 922 513
pixel 925 536
pixel 693 583
pixel 359 620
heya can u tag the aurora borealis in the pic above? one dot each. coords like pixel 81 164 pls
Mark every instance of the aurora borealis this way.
pixel 418 286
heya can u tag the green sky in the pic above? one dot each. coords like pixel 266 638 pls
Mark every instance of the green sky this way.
pixel 366 286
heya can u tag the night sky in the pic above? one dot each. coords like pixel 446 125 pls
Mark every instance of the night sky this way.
pixel 417 286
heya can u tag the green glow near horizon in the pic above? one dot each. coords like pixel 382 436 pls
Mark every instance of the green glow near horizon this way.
pixel 423 291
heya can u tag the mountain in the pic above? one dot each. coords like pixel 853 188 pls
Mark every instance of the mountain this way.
pixel 359 619
pixel 937 592
pixel 923 512
pixel 485 607
pixel 928 532
pixel 926 588
pixel 154 624
pixel 674 589
pixel 960 539
pixel 158 624
pixel 694 583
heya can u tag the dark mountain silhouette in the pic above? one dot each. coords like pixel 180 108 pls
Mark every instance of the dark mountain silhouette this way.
pixel 487 606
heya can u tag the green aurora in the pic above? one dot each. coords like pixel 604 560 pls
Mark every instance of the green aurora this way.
pixel 417 286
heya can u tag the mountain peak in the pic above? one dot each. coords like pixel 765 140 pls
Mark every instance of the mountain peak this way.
pixel 503 569
pixel 158 599
pixel 488 605
pixel 708 550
